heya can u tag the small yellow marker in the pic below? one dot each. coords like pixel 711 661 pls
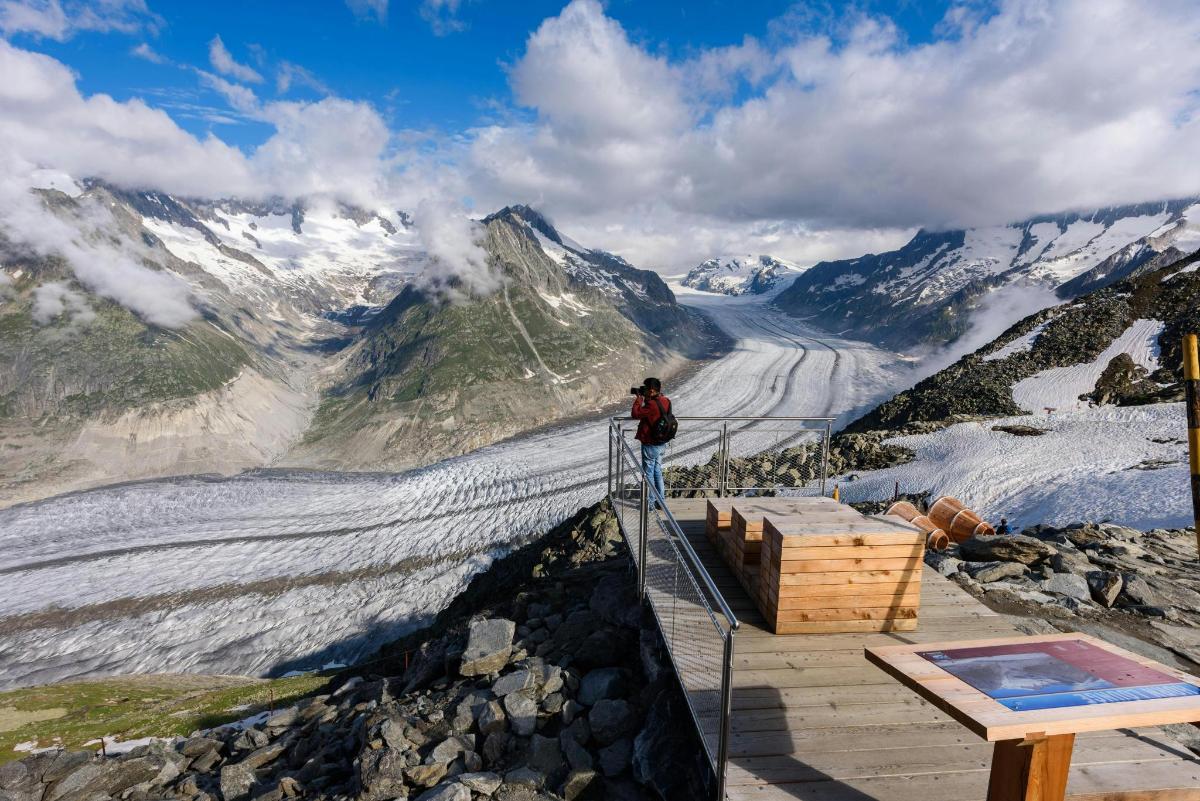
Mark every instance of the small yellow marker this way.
pixel 1191 385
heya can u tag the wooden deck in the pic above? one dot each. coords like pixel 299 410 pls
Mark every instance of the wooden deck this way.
pixel 813 720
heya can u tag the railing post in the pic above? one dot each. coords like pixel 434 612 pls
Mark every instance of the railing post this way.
pixel 643 528
pixel 611 451
pixel 723 461
pixel 825 456
pixel 726 713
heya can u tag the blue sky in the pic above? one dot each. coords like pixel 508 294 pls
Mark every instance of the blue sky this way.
pixel 417 73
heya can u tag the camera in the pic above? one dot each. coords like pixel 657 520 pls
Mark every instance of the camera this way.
pixel 637 390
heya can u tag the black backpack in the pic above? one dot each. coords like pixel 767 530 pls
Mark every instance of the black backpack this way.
pixel 665 427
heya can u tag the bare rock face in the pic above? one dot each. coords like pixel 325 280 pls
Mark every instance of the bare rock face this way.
pixel 488 647
pixel 986 572
pixel 1015 548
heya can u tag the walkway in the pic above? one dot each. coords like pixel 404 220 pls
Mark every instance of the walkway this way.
pixel 813 720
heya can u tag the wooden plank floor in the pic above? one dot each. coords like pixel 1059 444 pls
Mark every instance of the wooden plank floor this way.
pixel 813 720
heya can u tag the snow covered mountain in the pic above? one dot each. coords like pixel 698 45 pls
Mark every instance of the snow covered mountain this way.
pixel 741 276
pixel 1073 413
pixel 926 291
pixel 570 330
pixel 283 356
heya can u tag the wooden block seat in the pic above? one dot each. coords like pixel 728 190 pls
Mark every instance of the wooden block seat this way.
pixel 716 518
pixel 839 575
pixel 741 544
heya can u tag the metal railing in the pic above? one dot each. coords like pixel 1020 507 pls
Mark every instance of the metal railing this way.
pixel 744 455
pixel 695 621
pixel 719 455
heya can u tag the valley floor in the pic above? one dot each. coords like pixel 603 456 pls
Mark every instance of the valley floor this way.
pixel 276 570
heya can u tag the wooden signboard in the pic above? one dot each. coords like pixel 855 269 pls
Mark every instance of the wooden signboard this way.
pixel 1032 695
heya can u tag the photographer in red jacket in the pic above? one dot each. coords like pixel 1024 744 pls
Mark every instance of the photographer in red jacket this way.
pixel 649 404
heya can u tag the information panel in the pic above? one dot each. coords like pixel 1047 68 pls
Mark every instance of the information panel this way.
pixel 1055 674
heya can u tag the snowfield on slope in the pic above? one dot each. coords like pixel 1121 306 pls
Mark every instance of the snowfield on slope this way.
pixel 1060 387
pixel 276 571
pixel 1123 464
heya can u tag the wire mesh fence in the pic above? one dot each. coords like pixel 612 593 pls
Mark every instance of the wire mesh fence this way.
pixel 696 623
pixel 744 455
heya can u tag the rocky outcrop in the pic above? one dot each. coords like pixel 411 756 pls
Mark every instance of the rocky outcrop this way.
pixel 1143 584
pixel 796 466
pixel 539 682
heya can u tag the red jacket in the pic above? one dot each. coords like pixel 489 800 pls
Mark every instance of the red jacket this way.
pixel 646 410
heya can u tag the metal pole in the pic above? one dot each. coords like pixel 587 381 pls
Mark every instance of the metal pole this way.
pixel 723 462
pixel 611 435
pixel 1191 383
pixel 825 457
pixel 643 527
pixel 726 712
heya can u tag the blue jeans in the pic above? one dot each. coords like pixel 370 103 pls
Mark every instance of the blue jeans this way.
pixel 652 467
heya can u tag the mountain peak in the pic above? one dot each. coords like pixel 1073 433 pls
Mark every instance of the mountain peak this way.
pixel 529 215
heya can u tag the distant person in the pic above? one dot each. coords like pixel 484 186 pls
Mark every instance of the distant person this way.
pixel 655 429
pixel 1003 528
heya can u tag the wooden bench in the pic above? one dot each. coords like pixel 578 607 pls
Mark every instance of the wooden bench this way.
pixel 822 573
pixel 739 544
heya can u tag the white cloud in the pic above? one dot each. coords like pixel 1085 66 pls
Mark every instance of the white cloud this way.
pixel 365 9
pixel 55 299
pixel 1041 107
pixel 223 62
pixel 290 75
pixel 458 264
pixel 148 53
pixel 52 19
pixel 442 16
pixel 84 237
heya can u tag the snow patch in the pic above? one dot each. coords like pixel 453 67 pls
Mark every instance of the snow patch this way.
pixel 1091 464
pixel 1060 387
pixel 1018 345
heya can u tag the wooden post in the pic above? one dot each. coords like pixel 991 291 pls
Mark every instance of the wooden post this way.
pixel 1191 383
pixel 1033 769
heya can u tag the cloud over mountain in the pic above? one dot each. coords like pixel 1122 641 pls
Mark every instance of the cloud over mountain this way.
pixel 826 137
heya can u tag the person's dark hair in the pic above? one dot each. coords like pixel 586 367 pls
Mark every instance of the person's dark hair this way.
pixel 652 383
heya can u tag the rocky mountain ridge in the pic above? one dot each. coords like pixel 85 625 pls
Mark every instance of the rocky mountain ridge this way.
pixel 927 292
pixel 994 380
pixel 309 331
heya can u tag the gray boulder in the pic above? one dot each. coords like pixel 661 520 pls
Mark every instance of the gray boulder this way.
pixel 484 783
pixel 545 755
pixel 238 778
pixel 491 718
pixel 381 775
pixel 1105 586
pixel 600 684
pixel 1009 548
pixel 611 719
pixel 1068 584
pixel 943 563
pixel 489 645
pixel 522 713
pixel 446 792
pixel 985 572
pixel 581 785
pixel 525 777
pixel 615 758
pixel 514 682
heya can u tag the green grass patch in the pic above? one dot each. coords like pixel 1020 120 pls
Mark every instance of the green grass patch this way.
pixel 132 707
